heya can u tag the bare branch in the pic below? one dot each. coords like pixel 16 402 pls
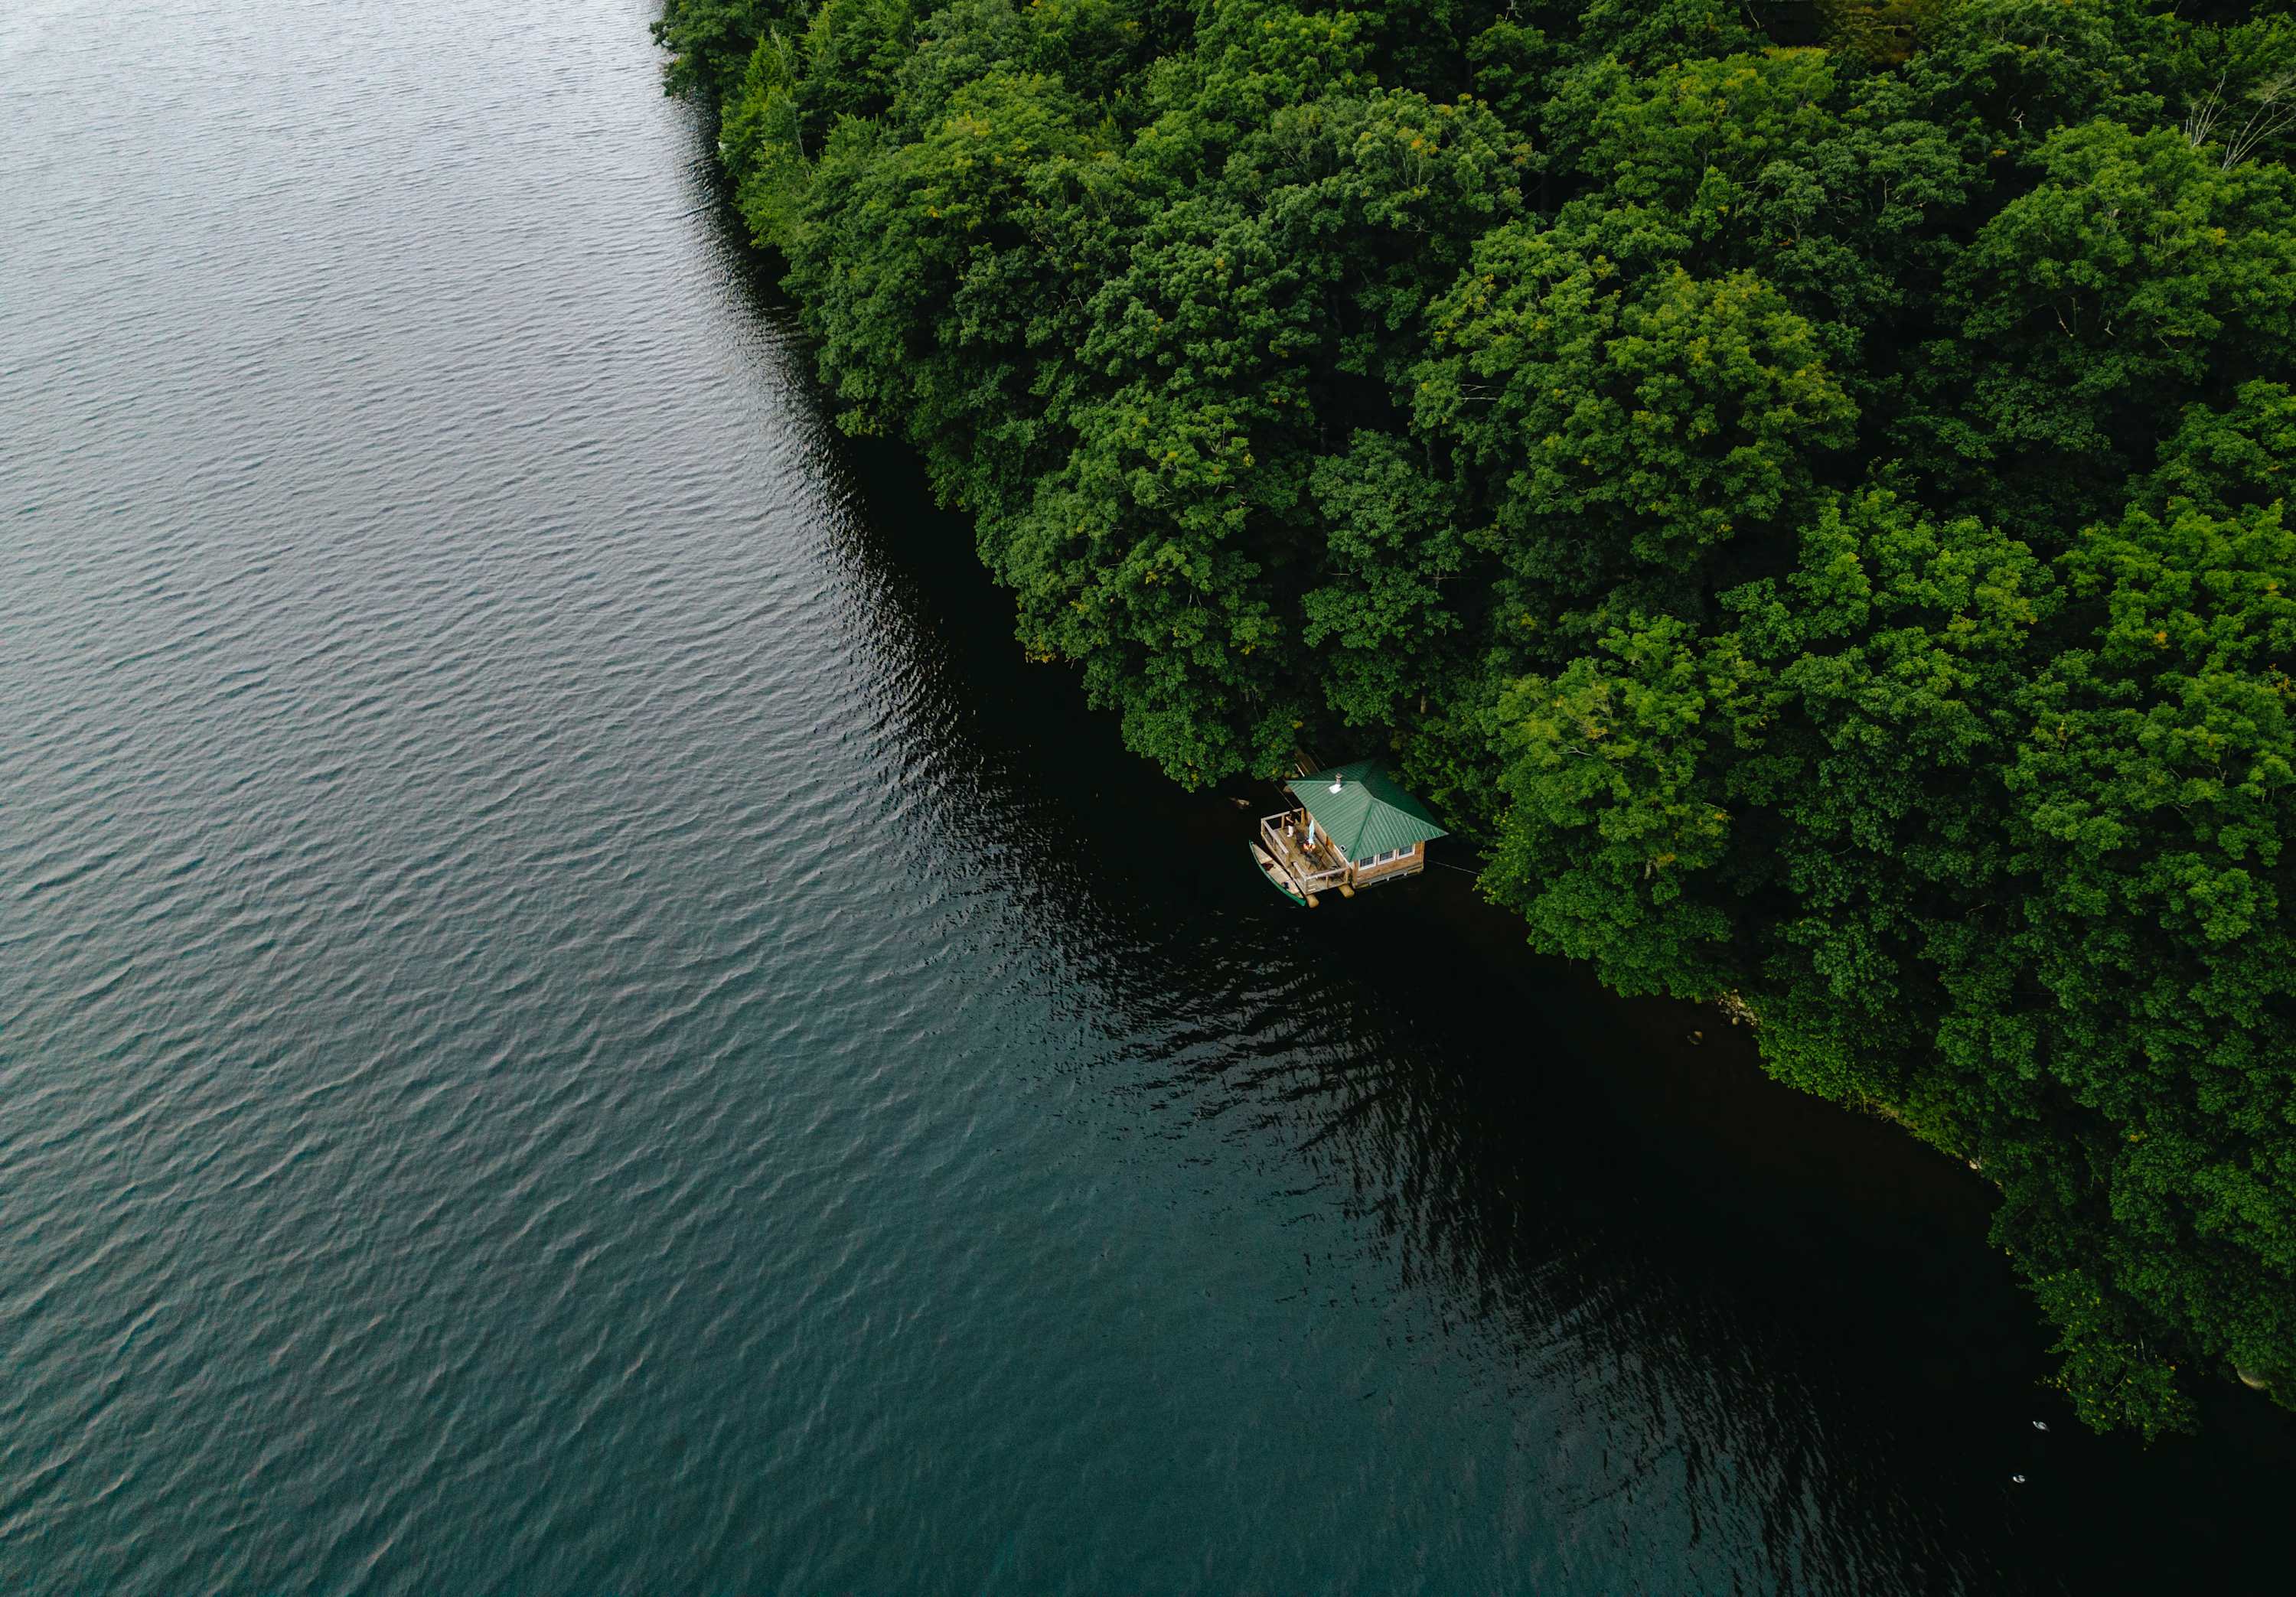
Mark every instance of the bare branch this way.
pixel 2275 113
pixel 2201 116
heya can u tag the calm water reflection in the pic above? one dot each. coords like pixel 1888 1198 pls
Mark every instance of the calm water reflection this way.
pixel 570 1019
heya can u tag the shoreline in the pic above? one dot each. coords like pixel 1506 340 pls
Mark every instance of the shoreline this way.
pixel 1143 539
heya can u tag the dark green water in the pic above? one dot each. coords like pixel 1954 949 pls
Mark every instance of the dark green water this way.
pixel 572 1019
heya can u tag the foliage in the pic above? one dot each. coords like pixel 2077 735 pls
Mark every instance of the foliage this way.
pixel 2139 273
pixel 1809 503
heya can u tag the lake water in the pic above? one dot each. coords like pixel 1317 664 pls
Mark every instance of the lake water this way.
pixel 572 1019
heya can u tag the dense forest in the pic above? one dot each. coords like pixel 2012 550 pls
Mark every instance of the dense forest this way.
pixel 1800 485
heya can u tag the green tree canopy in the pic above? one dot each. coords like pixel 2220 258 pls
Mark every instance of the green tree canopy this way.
pixel 1809 504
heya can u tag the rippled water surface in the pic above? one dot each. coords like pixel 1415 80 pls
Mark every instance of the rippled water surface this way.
pixel 572 1019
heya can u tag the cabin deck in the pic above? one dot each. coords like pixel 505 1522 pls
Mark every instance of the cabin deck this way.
pixel 1313 870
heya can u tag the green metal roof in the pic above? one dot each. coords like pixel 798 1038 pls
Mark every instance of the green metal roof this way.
pixel 1369 815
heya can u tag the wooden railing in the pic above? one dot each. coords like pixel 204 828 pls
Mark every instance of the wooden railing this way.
pixel 1302 864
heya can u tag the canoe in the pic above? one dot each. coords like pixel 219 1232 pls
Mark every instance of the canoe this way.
pixel 1277 878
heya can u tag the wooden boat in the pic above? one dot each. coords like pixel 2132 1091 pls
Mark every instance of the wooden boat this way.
pixel 1277 878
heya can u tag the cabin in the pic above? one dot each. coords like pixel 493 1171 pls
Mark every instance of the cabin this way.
pixel 1353 828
